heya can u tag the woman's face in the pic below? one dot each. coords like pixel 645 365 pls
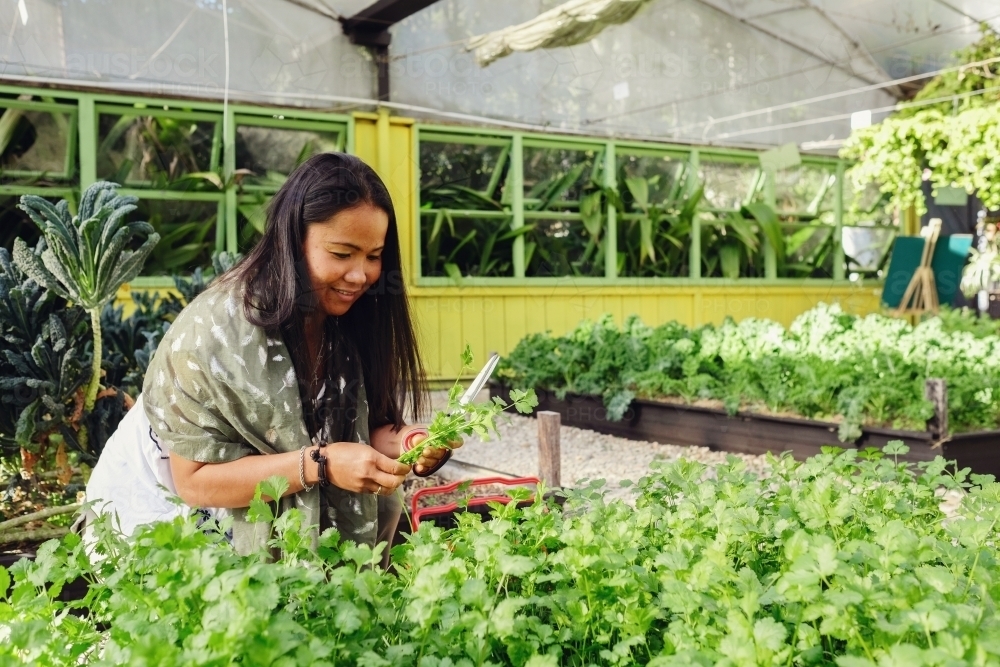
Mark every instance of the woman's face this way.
pixel 344 256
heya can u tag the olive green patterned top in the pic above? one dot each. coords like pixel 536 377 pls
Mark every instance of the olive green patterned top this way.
pixel 219 388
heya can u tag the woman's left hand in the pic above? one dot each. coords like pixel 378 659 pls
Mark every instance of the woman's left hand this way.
pixel 431 456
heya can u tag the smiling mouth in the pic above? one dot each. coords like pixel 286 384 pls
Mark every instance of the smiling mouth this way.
pixel 344 292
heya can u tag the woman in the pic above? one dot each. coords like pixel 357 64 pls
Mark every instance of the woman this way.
pixel 305 352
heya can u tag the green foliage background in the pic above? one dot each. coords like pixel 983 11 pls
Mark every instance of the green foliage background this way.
pixel 957 138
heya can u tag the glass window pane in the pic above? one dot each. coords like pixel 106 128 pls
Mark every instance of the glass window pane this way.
pixel 561 247
pixel 187 234
pixel 556 178
pixel 470 246
pixel 809 251
pixel 795 190
pixel 727 184
pixel 664 175
pixel 865 206
pixel 866 249
pixel 273 153
pixel 157 152
pixel 448 171
pixel 34 141
pixel 654 193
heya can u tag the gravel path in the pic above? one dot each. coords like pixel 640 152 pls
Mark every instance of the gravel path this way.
pixel 585 454
pixel 588 455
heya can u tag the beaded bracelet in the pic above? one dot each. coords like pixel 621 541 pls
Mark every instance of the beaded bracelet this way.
pixel 321 466
pixel 302 470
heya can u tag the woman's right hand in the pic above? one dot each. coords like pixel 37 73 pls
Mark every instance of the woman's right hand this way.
pixel 361 469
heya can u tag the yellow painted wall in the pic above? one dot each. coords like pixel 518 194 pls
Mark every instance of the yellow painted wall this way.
pixel 496 318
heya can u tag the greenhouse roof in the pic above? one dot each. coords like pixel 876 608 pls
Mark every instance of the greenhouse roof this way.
pixel 713 71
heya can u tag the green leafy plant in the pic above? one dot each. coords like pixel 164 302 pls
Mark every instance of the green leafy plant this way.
pixel 558 247
pixel 86 258
pixel 42 362
pixel 187 235
pixel 967 320
pixel 157 151
pixel 457 179
pixel 15 223
pixel 129 342
pixel 827 365
pixel 469 246
pixel 657 242
pixel 253 211
pixel 732 241
pixel 44 354
pixel 457 420
pixel 846 559
pixel 805 244
pixel 952 142
pixel 657 214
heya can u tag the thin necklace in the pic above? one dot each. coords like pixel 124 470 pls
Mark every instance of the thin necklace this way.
pixel 320 360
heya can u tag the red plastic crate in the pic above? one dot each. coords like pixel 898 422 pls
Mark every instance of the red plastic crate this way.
pixel 419 512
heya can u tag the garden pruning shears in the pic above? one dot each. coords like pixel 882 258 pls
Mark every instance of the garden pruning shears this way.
pixel 480 381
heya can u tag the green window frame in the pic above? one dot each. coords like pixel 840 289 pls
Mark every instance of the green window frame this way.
pixel 45 105
pixel 482 208
pixel 219 183
pixel 338 142
pixel 141 110
pixel 516 208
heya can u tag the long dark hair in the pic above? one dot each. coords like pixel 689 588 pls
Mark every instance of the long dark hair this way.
pixel 277 294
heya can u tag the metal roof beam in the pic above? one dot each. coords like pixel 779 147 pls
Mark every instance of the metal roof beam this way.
pixel 370 28
pixel 377 18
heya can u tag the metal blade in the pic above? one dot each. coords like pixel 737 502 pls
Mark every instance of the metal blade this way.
pixel 480 380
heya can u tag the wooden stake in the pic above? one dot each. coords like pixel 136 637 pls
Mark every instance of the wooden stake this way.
pixel 549 454
pixel 936 391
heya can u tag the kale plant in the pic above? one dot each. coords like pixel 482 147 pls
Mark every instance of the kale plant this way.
pixel 44 354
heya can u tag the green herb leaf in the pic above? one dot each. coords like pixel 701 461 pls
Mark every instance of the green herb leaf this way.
pixel 457 420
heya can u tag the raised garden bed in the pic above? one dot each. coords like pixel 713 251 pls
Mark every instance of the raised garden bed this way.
pixel 751 433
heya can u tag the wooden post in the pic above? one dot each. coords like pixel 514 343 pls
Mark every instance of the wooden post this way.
pixel 936 391
pixel 549 458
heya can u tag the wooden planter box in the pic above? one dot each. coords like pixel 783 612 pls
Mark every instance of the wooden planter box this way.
pixel 750 433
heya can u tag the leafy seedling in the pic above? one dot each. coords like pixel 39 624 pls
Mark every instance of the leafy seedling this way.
pixel 458 419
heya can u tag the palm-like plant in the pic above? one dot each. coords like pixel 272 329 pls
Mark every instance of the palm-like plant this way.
pixel 656 242
pixel 87 257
